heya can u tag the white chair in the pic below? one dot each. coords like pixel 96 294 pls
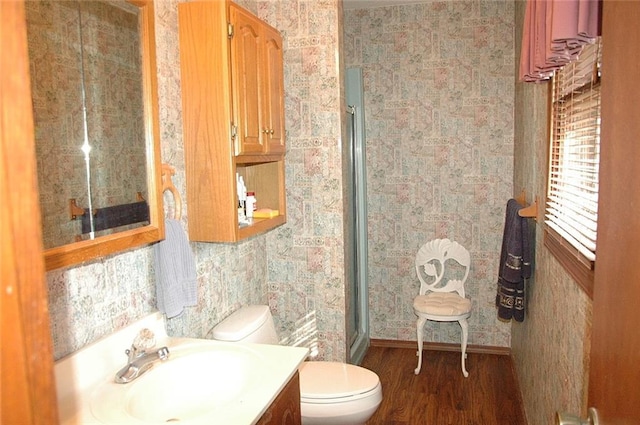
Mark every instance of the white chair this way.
pixel 442 267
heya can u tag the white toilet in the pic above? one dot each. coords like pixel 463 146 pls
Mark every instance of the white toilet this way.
pixel 331 393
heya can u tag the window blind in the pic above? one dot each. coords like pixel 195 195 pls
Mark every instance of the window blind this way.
pixel 572 193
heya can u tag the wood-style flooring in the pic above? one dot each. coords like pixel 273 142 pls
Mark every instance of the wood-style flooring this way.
pixel 440 394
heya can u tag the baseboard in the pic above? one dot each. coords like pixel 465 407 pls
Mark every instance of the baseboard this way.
pixel 440 346
pixel 519 391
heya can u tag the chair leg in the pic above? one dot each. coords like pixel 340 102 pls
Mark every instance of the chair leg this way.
pixel 419 326
pixel 465 335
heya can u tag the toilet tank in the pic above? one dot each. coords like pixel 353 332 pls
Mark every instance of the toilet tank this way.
pixel 253 323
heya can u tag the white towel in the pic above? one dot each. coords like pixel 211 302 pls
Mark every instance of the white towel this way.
pixel 176 285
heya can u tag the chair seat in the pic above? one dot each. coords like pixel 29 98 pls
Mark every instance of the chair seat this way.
pixel 442 304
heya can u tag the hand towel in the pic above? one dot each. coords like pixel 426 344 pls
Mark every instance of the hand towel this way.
pixel 176 285
pixel 515 265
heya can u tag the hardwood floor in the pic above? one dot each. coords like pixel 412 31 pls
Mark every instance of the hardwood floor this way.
pixel 440 395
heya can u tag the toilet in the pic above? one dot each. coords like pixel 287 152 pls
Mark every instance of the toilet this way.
pixel 331 393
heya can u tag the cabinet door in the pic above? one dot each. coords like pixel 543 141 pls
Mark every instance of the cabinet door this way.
pixel 273 84
pixel 245 81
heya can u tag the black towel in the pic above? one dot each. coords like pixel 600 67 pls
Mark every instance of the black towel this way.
pixel 515 265
pixel 116 216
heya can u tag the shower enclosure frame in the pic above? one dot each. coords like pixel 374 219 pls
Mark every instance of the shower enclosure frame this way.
pixel 358 337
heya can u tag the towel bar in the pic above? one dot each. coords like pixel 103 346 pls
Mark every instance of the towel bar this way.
pixel 528 212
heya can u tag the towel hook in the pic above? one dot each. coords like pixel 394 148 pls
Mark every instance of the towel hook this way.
pixel 167 185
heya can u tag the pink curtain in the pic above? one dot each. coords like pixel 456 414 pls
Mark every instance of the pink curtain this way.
pixel 554 33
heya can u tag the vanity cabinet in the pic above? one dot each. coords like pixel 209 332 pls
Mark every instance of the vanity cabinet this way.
pixel 285 409
pixel 233 118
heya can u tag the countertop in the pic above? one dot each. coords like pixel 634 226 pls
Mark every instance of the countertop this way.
pixel 81 375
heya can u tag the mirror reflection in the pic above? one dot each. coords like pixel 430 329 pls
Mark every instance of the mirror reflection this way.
pixel 87 90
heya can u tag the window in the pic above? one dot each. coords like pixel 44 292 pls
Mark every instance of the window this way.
pixel 571 212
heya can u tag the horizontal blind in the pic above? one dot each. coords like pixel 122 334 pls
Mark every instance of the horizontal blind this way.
pixel 572 194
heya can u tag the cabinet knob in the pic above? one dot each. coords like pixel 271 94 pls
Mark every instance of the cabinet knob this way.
pixel 271 131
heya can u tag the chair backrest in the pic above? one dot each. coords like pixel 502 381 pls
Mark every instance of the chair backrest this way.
pixel 435 267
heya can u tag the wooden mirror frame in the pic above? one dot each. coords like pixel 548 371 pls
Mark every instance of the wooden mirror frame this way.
pixel 78 252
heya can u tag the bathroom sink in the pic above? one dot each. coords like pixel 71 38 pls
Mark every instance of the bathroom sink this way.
pixel 199 382
pixel 203 382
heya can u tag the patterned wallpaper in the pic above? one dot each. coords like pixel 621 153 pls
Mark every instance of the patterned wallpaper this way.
pixel 551 348
pixel 438 82
pixel 306 271
pixel 112 73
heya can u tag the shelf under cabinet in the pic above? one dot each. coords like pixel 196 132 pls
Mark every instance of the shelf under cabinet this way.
pixel 260 225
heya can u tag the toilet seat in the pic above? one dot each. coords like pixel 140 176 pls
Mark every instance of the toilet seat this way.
pixel 334 382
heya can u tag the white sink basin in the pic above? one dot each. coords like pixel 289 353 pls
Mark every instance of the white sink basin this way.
pixel 195 382
pixel 203 382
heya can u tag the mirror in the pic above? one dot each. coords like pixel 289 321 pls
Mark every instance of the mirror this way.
pixel 94 91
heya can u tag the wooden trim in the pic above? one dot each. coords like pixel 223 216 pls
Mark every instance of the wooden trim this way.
pixel 27 383
pixel 518 391
pixel 440 346
pixel 578 267
pixel 79 252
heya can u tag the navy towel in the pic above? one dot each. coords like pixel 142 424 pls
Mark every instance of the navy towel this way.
pixel 515 265
pixel 176 284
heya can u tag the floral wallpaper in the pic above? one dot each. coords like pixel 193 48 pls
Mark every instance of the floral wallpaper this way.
pixel 306 265
pixel 438 89
pixel 111 71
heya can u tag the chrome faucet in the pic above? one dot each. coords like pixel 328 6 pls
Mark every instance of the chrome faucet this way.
pixel 139 359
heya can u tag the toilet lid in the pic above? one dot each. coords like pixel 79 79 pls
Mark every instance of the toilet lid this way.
pixel 324 380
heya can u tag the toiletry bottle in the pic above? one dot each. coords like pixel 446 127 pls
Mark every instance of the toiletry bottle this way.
pixel 242 194
pixel 251 204
pixel 241 216
pixel 239 188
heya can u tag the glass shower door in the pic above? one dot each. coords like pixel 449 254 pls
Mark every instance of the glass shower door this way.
pixel 357 293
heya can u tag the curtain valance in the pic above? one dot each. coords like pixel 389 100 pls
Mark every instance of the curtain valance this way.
pixel 554 33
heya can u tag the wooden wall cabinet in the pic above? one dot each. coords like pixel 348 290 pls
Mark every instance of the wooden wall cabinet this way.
pixel 233 115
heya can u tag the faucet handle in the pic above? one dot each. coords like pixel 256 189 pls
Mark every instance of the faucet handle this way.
pixel 144 340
